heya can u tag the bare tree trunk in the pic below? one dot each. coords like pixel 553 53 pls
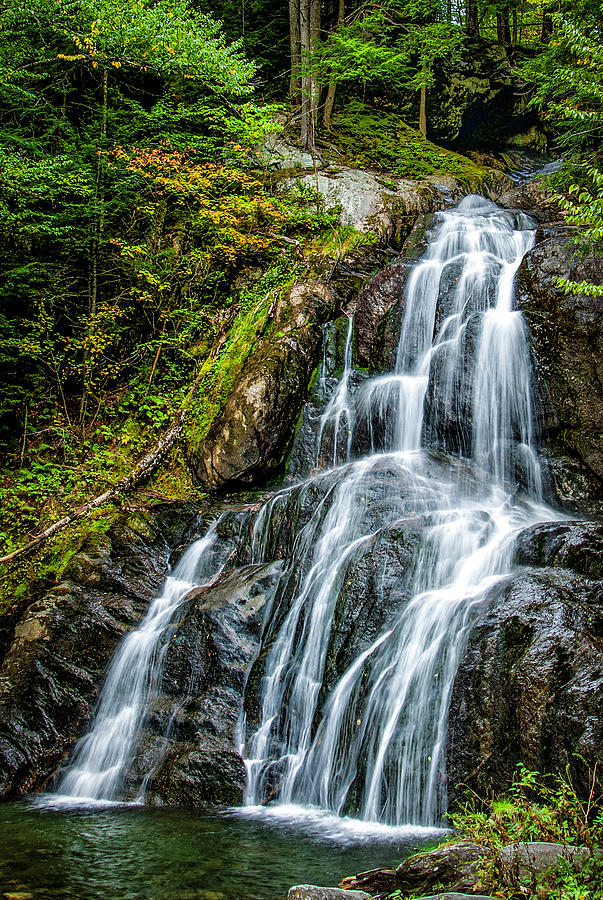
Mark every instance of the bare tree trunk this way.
pixel 503 30
pixel 423 110
pixel 100 224
pixel 330 100
pixel 472 18
pixel 547 27
pixel 514 38
pixel 295 48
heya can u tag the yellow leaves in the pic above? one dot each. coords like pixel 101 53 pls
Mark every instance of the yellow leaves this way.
pixel 116 64
pixel 69 58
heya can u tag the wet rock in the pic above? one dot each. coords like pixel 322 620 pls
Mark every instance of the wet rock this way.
pixel 50 676
pixel 312 892
pixel 535 199
pixel 251 437
pixel 188 739
pixel 522 860
pixel 375 881
pixel 530 686
pixel 567 336
pixel 454 866
pixel 375 332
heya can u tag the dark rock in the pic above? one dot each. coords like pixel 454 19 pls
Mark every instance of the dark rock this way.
pixel 522 860
pixel 530 686
pixel 478 102
pixel 188 740
pixel 535 199
pixel 567 335
pixel 63 643
pixel 378 308
pixel 251 437
pixel 453 867
pixel 375 881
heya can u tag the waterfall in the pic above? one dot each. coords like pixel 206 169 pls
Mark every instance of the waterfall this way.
pixel 98 766
pixel 450 478
pixel 375 745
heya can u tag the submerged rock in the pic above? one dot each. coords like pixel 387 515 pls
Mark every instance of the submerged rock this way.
pixel 251 437
pixel 63 643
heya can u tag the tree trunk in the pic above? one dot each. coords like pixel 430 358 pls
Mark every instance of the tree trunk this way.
pixel 309 21
pixel 472 18
pixel 295 49
pixel 503 30
pixel 100 224
pixel 330 100
pixel 547 27
pixel 423 110
pixel 514 38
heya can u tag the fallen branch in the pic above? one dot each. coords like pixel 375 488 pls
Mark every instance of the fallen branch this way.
pixel 141 471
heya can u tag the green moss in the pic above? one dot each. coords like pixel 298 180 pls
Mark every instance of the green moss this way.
pixel 250 324
pixel 380 140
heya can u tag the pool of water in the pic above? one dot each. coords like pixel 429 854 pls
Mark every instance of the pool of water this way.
pixel 120 852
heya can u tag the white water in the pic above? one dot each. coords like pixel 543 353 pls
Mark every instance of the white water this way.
pixel 378 748
pixel 374 744
pixel 100 760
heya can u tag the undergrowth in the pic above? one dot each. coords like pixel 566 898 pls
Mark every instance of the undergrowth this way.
pixel 536 808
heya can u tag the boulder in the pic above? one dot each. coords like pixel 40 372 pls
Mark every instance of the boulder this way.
pixel 312 892
pixel 388 207
pixel 567 337
pixel 524 860
pixel 50 676
pixel 530 686
pixel 250 438
pixel 376 881
pixel 454 866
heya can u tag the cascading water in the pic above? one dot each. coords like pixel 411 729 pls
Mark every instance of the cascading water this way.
pixel 99 763
pixel 378 746
pixel 449 436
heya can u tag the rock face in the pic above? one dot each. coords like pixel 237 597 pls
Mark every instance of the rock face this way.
pixel 530 686
pixel 567 334
pixel 379 305
pixel 250 439
pixel 188 738
pixel 476 104
pixel 63 643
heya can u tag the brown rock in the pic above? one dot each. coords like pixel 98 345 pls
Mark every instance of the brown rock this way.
pixel 454 867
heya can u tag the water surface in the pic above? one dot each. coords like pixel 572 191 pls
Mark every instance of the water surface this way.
pixel 129 851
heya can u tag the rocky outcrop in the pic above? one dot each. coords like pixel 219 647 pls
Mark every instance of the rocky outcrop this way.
pixel 567 335
pixel 530 686
pixel 50 676
pixel 250 439
pixel 388 207
pixel 478 102
pixel 187 750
